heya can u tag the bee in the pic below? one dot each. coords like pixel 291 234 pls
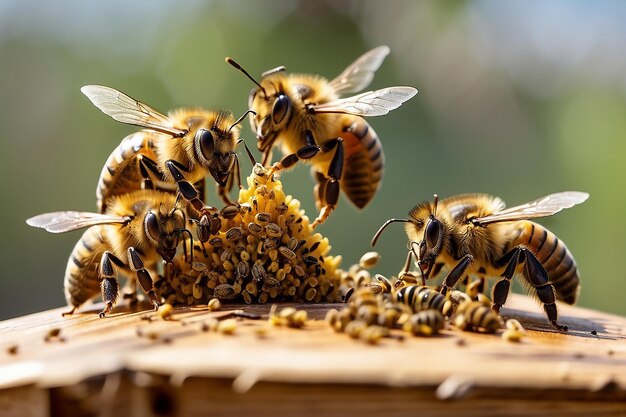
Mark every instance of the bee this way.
pixel 425 323
pixel 419 298
pixel 474 316
pixel 183 146
pixel 473 234
pixel 137 231
pixel 305 116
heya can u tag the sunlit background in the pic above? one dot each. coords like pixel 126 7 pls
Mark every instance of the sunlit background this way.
pixel 516 99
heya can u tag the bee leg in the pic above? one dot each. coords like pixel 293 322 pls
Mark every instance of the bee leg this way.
pixel 69 313
pixel 536 276
pixel 308 151
pixel 319 191
pixel 136 264
pixel 185 188
pixel 456 273
pixel 109 285
pixel 332 188
pixel 501 289
pixel 110 292
pixel 147 165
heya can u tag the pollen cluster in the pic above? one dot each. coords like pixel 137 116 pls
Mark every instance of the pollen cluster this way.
pixel 265 251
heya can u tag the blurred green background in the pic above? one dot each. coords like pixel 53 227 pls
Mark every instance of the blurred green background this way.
pixel 517 99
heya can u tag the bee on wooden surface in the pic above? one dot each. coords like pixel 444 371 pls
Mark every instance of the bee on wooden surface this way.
pixel 183 146
pixel 420 298
pixel 474 316
pixel 136 232
pixel 473 234
pixel 425 323
pixel 305 117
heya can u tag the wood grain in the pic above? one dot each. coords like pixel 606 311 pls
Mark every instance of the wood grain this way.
pixel 125 362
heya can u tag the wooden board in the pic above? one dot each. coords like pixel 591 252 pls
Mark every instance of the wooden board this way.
pixel 126 363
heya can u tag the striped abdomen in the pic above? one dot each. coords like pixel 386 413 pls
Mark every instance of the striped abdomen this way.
pixel 81 274
pixel 426 322
pixel 474 316
pixel 555 258
pixel 363 161
pixel 420 298
pixel 120 173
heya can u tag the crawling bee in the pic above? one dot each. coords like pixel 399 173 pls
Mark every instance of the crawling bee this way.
pixel 304 116
pixel 137 230
pixel 183 147
pixel 420 298
pixel 475 234
pixel 425 323
pixel 474 316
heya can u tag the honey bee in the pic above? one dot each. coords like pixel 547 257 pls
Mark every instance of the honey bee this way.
pixel 183 147
pixel 473 234
pixel 419 298
pixel 425 323
pixel 305 116
pixel 137 231
pixel 474 316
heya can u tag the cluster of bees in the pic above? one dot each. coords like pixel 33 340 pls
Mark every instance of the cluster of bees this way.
pixel 379 305
pixel 154 226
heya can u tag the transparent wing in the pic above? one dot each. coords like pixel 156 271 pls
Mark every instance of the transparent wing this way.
pixel 360 73
pixel 66 221
pixel 542 207
pixel 371 103
pixel 126 109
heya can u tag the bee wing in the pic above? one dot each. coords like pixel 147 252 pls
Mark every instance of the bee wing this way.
pixel 66 221
pixel 360 73
pixel 126 109
pixel 370 103
pixel 542 207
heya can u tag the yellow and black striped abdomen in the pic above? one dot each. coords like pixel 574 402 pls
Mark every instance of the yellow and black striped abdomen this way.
pixel 363 161
pixel 420 298
pixel 120 173
pixel 555 258
pixel 81 274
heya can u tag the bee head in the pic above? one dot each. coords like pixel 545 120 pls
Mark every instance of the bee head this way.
pixel 431 243
pixel 163 230
pixel 278 110
pixel 426 234
pixel 274 108
pixel 214 146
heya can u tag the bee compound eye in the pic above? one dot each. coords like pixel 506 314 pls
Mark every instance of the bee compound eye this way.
pixel 281 108
pixel 433 230
pixel 206 143
pixel 152 226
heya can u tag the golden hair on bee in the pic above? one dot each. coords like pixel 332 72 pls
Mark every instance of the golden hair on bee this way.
pixel 473 234
pixel 138 230
pixel 305 117
pixel 177 150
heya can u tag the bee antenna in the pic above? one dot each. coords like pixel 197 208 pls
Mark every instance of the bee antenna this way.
pixel 252 160
pixel 181 231
pixel 384 226
pixel 436 197
pixel 241 118
pixel 240 68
